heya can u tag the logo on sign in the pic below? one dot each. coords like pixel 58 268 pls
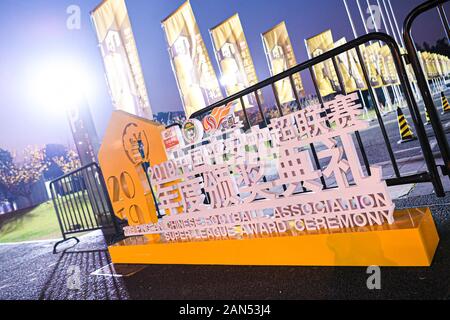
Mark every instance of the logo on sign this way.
pixel 214 121
pixel 193 131
pixel 172 138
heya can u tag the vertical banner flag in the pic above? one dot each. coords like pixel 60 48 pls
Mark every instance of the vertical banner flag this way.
pixel 432 63
pixel 445 64
pixel 428 64
pixel 440 62
pixel 422 61
pixel 374 62
pixel 324 72
pixel 436 59
pixel 196 78
pixel 409 69
pixel 389 75
pixel 280 57
pixel 234 59
pixel 120 57
pixel 350 69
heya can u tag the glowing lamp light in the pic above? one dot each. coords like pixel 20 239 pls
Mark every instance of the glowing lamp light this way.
pixel 56 86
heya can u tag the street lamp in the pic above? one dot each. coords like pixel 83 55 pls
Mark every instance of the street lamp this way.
pixel 63 86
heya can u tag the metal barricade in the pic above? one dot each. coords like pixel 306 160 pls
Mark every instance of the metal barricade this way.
pixel 420 75
pixel 82 203
pixel 430 175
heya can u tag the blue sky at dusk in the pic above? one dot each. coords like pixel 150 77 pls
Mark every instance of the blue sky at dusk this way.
pixel 34 34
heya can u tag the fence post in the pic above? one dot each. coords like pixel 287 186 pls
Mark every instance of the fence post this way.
pixel 423 83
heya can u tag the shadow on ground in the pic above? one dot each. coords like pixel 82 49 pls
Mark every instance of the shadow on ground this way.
pixel 13 219
pixel 71 278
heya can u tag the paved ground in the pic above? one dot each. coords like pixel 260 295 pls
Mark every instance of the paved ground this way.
pixel 31 271
pixel 375 146
pixel 374 143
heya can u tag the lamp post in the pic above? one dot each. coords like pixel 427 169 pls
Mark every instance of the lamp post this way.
pixel 83 131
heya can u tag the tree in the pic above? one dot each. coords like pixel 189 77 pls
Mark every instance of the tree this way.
pixel 18 177
pixel 441 47
pixel 60 161
pixel 69 162
pixel 54 151
pixel 5 162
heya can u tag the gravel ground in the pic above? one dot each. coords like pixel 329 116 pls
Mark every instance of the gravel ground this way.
pixel 31 271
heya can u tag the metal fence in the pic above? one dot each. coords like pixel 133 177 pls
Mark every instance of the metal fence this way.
pixel 82 203
pixel 432 172
pixel 422 81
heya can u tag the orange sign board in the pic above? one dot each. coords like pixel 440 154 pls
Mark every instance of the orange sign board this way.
pixel 122 165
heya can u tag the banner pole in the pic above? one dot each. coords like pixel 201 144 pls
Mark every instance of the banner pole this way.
pixel 397 93
pixel 375 96
pixel 355 34
pixel 362 16
pixel 350 19
pixel 391 28
pixel 396 24
pixel 401 42
pixel 387 97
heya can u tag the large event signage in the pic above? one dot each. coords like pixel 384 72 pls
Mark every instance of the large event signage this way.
pixel 263 183
pixel 234 59
pixel 120 57
pixel 196 78
pixel 325 74
pixel 258 193
pixel 281 57
pixel 350 69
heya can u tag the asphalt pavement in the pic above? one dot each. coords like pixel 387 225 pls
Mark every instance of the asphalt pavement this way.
pixel 31 271
pixel 375 145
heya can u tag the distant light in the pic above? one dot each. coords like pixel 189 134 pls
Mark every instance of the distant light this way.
pixel 58 85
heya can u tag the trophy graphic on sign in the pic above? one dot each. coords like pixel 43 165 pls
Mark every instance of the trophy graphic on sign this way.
pixel 279 64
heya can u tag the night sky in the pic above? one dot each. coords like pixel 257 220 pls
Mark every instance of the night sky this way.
pixel 34 33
